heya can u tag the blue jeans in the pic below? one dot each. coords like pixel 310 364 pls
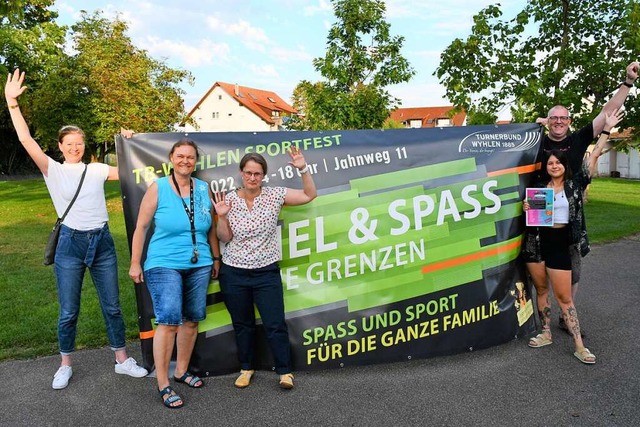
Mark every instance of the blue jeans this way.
pixel 76 251
pixel 178 294
pixel 241 288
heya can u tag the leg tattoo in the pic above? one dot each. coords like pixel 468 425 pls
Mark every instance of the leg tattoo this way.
pixel 571 319
pixel 545 318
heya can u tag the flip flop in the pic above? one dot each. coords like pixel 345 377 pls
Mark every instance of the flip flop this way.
pixel 539 340
pixel 585 356
pixel 194 382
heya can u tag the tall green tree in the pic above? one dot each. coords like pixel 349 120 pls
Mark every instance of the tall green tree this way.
pixel 108 84
pixel 552 52
pixel 361 60
pixel 31 40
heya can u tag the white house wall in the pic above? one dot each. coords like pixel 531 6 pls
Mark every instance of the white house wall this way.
pixel 628 165
pixel 231 117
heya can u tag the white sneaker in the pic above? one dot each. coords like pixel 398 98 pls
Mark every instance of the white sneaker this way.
pixel 130 367
pixel 62 377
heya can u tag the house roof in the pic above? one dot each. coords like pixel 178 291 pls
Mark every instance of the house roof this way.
pixel 427 113
pixel 261 102
pixel 626 134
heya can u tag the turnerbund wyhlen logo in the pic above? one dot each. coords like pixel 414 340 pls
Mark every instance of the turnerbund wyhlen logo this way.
pixel 488 141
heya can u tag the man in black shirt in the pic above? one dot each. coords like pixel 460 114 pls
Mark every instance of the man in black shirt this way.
pixel 559 137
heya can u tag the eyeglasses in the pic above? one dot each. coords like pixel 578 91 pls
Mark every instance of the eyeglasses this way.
pixel 559 118
pixel 256 175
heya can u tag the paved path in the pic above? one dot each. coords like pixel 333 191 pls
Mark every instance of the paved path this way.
pixel 505 385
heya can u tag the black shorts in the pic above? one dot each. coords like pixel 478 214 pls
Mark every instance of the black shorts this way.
pixel 554 247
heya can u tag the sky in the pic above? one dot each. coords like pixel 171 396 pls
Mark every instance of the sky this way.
pixel 270 45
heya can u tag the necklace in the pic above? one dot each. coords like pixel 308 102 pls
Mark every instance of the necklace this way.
pixel 190 214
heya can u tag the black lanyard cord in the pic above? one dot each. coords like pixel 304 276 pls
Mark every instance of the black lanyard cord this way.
pixel 190 211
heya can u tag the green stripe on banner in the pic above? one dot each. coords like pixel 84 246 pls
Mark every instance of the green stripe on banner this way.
pixel 440 170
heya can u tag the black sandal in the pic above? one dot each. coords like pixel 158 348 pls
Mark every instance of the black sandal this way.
pixel 193 382
pixel 173 398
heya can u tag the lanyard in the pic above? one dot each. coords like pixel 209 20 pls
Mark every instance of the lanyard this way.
pixel 190 214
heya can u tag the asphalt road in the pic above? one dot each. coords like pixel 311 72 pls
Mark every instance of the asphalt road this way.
pixel 505 385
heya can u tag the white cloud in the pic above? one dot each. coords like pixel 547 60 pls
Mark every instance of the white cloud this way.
pixel 264 70
pixel 323 6
pixel 299 54
pixel 252 37
pixel 191 54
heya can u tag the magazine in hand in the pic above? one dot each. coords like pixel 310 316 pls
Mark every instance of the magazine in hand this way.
pixel 540 213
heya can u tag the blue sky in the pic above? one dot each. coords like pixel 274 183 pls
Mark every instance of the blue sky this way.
pixel 270 45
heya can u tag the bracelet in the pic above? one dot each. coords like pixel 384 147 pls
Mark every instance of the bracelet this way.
pixel 606 132
pixel 305 169
pixel 629 85
pixel 217 258
pixel 13 106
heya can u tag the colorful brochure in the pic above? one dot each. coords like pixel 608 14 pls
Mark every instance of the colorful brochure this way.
pixel 540 213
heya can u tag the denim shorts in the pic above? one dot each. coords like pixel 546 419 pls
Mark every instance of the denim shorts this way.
pixel 178 294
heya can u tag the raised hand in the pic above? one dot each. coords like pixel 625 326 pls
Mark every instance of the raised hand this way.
pixel 14 88
pixel 222 205
pixel 297 159
pixel 632 71
pixel 612 118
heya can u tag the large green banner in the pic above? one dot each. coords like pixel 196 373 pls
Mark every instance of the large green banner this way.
pixel 410 249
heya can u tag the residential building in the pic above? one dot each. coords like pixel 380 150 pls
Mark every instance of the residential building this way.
pixel 618 163
pixel 429 117
pixel 233 108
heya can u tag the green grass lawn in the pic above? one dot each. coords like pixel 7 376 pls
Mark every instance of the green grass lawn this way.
pixel 28 298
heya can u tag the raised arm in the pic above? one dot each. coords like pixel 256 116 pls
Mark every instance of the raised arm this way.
pixel 611 120
pixel 617 100
pixel 296 197
pixel 12 90
pixel 145 215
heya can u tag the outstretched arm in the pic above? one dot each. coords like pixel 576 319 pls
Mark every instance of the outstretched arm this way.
pixel 611 120
pixel 617 100
pixel 308 192
pixel 12 90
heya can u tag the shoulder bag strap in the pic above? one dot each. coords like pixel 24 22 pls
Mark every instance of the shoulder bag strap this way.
pixel 76 195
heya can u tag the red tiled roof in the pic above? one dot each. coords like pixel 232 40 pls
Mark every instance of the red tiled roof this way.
pixel 626 134
pixel 426 113
pixel 257 100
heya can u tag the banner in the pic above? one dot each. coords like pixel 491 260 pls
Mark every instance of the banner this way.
pixel 409 251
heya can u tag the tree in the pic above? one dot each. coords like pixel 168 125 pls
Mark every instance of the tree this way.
pixel 480 117
pixel 362 58
pixel 107 84
pixel 552 52
pixel 32 41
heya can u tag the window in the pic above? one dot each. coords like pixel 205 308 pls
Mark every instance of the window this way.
pixel 444 122
pixel 219 97
pixel 271 99
pixel 215 115
pixel 275 113
pixel 415 123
